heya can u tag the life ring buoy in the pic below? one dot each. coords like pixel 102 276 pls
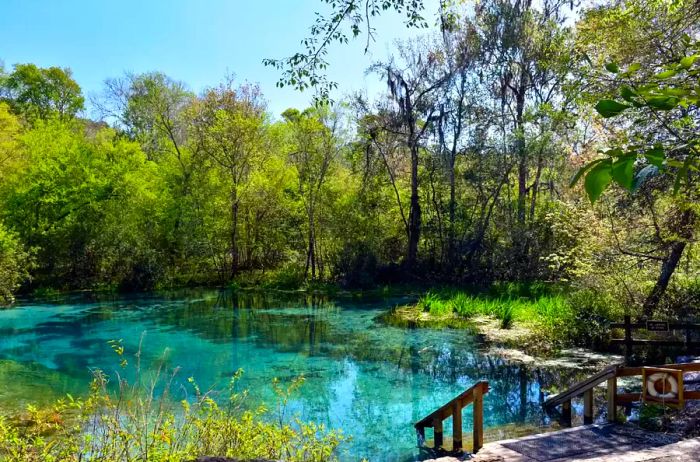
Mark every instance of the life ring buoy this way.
pixel 651 385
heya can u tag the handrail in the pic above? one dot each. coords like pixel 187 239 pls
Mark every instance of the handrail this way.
pixel 614 399
pixel 583 386
pixel 453 408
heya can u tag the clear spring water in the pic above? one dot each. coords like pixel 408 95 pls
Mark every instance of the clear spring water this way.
pixel 370 379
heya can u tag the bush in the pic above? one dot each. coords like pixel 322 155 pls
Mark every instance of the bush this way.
pixel 133 423
pixel 593 312
pixel 14 263
pixel 357 266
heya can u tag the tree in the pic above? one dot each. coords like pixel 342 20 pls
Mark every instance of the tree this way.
pixel 306 69
pixel 314 150
pixel 229 126
pixel 41 93
pixel 411 111
pixel 528 51
pixel 656 106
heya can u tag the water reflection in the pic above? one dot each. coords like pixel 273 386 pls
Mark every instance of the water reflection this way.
pixel 370 379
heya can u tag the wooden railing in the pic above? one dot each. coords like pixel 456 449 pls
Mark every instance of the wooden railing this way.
pixel 453 409
pixel 658 327
pixel 614 399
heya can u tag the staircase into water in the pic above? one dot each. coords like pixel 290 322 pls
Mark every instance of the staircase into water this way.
pixel 607 440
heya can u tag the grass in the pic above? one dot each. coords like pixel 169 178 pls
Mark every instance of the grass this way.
pixel 555 317
pixel 147 420
pixel 504 303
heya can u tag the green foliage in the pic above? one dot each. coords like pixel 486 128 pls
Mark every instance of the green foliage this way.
pixel 651 416
pixel 506 314
pixel 14 265
pixel 40 93
pixel 674 89
pixel 134 422
pixel 435 304
pixel 581 317
pixel 593 311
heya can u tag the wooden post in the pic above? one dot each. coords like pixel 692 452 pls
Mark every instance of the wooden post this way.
pixel 456 425
pixel 628 338
pixel 612 405
pixel 437 432
pixel 566 413
pixel 588 407
pixel 420 432
pixel 478 419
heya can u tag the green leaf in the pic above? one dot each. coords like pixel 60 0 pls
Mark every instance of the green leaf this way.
pixel 615 152
pixel 627 93
pixel 583 170
pixel 663 103
pixel 655 156
pixel 666 74
pixel 610 108
pixel 680 176
pixel 612 67
pixel 634 67
pixel 623 170
pixel 597 179
pixel 674 91
pixel 688 61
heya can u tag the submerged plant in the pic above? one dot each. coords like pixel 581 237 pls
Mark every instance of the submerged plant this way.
pixel 142 420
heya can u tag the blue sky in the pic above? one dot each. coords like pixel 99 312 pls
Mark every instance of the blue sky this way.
pixel 196 41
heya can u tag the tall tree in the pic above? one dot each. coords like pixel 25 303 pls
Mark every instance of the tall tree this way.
pixel 229 126
pixel 315 148
pixel 412 109
pixel 40 93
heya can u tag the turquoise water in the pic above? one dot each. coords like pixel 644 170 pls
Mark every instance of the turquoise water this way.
pixel 369 379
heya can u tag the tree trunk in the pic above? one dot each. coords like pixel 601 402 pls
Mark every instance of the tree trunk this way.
pixel 520 236
pixel 234 231
pixel 451 232
pixel 520 148
pixel 311 252
pixel 670 262
pixel 414 214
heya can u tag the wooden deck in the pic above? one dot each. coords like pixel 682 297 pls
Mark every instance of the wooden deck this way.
pixel 592 443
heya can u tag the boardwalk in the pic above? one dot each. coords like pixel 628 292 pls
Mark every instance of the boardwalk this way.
pixel 592 443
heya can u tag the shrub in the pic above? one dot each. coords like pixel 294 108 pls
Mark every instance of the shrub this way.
pixel 134 423
pixel 14 263
pixel 593 312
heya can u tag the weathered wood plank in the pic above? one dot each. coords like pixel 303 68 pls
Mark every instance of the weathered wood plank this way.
pixel 622 341
pixel 588 407
pixel 478 433
pixel 437 432
pixel 566 413
pixel 626 398
pixel 456 426
pixel 580 387
pixel 632 371
pixel 464 398
pixel 612 399
pixel 642 325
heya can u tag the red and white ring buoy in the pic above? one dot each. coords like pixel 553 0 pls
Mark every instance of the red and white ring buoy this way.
pixel 665 377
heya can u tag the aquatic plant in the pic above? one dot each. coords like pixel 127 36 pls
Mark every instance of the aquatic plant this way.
pixel 506 315
pixel 142 420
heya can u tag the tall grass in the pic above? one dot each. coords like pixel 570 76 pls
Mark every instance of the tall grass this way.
pixel 136 423
pixel 508 302
pixel 579 317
